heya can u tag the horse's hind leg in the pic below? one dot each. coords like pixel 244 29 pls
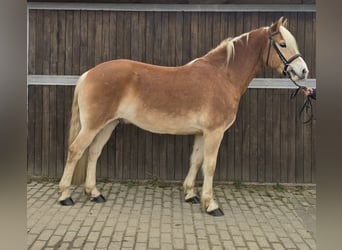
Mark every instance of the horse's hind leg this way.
pixel 95 149
pixel 195 164
pixel 75 152
pixel 212 141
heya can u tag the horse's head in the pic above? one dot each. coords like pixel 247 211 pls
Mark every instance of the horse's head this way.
pixel 282 52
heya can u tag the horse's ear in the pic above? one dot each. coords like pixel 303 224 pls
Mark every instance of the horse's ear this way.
pixel 284 22
pixel 275 26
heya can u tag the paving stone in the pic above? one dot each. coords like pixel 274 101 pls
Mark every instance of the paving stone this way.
pixel 148 217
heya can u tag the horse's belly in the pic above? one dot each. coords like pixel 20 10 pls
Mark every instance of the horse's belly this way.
pixel 160 122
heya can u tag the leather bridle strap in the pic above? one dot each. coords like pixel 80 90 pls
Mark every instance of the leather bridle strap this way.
pixel 281 56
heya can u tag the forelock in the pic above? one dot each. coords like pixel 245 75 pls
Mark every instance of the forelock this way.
pixel 289 38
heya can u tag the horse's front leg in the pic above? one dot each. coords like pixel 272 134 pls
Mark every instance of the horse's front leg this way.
pixel 212 141
pixel 195 164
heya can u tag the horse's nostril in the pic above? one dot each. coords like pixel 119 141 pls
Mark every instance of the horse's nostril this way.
pixel 304 71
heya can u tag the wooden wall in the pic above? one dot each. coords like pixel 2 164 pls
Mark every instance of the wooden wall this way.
pixel 268 142
pixel 68 42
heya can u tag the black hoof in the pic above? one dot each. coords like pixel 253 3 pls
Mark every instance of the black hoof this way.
pixel 67 202
pixel 98 199
pixel 193 200
pixel 217 212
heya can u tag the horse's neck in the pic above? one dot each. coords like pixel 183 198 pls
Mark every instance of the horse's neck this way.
pixel 246 61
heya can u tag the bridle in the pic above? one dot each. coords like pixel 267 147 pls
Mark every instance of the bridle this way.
pixel 281 56
pixel 307 105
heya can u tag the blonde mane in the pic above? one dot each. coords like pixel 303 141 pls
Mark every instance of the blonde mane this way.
pixel 229 45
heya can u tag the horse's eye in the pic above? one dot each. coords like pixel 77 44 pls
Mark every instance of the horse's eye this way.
pixel 283 45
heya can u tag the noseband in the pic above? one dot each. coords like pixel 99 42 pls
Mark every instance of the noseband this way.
pixel 281 56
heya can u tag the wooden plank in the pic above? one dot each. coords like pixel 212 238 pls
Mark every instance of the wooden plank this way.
pixel 68 42
pixel 133 132
pixel 163 157
pixel 216 29
pixel 186 35
pixel 268 136
pixel 98 38
pixel 31 122
pixel 284 135
pixel 262 115
pixel 187 142
pixel 135 36
pixel 202 37
pixel 83 57
pixel 155 155
pixel 54 44
pixel 52 131
pixel 40 43
pixel 157 38
pixel 148 156
pixel 142 37
pixel 91 39
pixel 112 35
pixel 291 171
pixel 178 162
pixel 126 153
pixel 38 132
pixel 208 40
pixel 111 157
pixel 180 38
pixel 164 50
pixel 32 41
pixel 119 36
pixel 61 42
pixel 245 126
pixel 76 43
pixel 276 136
pixel 253 138
pixel 141 154
pixel 45 131
pixel 170 157
pixel 172 52
pixel 47 42
pixel 105 36
pixel 61 130
pixel 149 37
pixel 194 31
pixel 119 140
pixel 127 36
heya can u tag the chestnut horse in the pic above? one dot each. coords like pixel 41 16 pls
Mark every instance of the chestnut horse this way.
pixel 200 98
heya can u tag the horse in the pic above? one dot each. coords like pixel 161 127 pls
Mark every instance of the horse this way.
pixel 200 98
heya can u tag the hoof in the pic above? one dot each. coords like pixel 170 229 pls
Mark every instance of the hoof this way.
pixel 193 200
pixel 216 212
pixel 98 199
pixel 67 202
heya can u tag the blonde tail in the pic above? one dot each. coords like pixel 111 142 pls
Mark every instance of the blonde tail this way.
pixel 80 171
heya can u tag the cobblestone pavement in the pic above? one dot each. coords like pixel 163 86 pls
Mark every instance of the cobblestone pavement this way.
pixel 154 216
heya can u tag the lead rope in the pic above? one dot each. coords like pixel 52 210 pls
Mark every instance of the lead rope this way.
pixel 307 104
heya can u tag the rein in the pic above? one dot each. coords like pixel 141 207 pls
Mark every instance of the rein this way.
pixel 307 104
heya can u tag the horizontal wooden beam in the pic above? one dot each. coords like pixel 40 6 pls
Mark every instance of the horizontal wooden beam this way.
pixel 70 80
pixel 175 7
